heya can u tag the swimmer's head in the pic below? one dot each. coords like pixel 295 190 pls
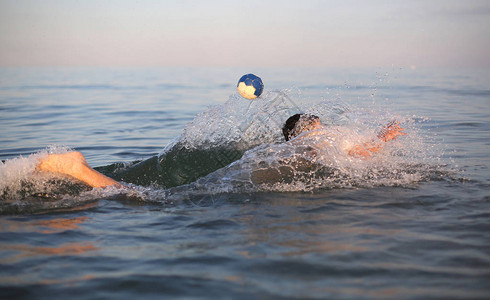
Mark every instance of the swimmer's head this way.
pixel 298 124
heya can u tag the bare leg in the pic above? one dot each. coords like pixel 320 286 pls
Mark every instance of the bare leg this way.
pixel 75 165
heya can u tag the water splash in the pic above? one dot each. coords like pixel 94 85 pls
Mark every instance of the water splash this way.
pixel 308 163
pixel 304 166
pixel 241 123
pixel 20 172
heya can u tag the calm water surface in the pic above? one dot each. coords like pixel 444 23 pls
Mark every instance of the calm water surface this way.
pixel 426 239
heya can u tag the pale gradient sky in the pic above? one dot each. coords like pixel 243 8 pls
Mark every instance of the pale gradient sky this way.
pixel 245 33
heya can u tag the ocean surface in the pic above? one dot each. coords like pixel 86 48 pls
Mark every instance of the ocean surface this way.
pixel 413 222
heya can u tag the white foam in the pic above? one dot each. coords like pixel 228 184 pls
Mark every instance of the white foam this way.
pixel 14 173
pixel 319 161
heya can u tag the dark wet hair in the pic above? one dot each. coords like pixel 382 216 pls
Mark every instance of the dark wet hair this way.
pixel 289 129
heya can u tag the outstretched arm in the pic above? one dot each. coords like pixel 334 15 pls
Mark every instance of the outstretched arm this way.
pixel 389 132
pixel 74 164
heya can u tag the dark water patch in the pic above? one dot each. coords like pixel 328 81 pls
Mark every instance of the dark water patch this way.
pixel 171 222
pixel 132 138
pixel 482 215
pixel 470 92
pixel 135 113
pixel 428 244
pixel 193 261
pixel 104 148
pixel 36 124
pixel 295 269
pixel 15 292
pixel 136 153
pixel 418 201
pixel 470 124
pixel 328 207
pixel 62 107
pixel 38 205
pixel 219 224
pixel 20 151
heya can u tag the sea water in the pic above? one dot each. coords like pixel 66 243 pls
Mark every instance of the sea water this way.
pixel 412 222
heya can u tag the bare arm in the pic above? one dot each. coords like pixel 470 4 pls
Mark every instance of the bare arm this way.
pixel 74 164
pixel 390 132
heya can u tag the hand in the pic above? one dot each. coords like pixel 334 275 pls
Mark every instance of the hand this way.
pixel 391 131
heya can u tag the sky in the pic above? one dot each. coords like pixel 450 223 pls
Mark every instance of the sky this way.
pixel 245 33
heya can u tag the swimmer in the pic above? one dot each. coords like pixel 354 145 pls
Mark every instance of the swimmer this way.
pixel 306 129
pixel 297 127
pixel 301 126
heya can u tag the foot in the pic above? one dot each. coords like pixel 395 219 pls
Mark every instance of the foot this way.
pixel 74 164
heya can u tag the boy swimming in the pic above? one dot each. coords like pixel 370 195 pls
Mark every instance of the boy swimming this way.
pixel 296 128
pixel 306 125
